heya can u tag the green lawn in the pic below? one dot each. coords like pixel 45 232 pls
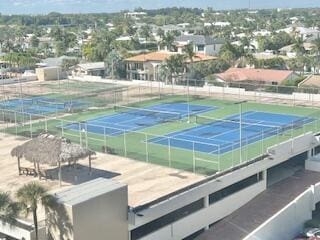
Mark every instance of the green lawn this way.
pixel 135 144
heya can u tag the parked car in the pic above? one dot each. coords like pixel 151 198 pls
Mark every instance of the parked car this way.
pixel 313 232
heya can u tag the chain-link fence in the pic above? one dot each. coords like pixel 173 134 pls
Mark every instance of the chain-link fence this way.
pixel 100 98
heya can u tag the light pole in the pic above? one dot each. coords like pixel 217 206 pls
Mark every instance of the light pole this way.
pixel 188 100
pixel 240 126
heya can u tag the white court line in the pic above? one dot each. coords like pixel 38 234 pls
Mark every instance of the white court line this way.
pixel 236 129
pixel 119 124
pixel 196 128
pixel 185 112
pixel 204 138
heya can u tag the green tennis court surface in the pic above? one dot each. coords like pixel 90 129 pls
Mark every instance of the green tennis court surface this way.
pixel 139 144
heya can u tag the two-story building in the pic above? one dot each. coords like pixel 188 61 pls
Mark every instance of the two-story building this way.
pixel 146 66
pixel 205 45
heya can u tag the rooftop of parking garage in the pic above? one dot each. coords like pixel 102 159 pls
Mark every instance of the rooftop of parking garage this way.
pixel 146 182
pixel 247 218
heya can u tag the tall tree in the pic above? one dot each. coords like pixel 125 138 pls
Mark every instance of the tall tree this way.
pixel 298 46
pixel 34 41
pixel 8 209
pixel 316 50
pixel 167 41
pixel 229 53
pixel 29 196
pixel 175 66
pixel 190 54
pixel 115 66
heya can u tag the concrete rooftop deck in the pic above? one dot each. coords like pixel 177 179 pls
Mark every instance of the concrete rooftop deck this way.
pixel 146 182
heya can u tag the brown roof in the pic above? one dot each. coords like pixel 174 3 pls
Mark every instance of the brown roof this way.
pixel 162 56
pixel 311 81
pixel 259 75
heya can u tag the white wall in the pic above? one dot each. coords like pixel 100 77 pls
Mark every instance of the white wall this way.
pixel 313 165
pixel 198 220
pixel 289 221
pixel 223 208
pixel 22 232
pixel 212 50
pixel 282 152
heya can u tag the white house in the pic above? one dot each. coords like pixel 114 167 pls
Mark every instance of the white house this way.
pixel 206 45
pixel 301 31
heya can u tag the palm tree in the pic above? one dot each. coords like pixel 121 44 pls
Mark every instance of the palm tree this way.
pixel 146 33
pixel 30 195
pixel 316 50
pixel 298 46
pixel 175 65
pixel 167 41
pixel 8 209
pixel 229 53
pixel 189 53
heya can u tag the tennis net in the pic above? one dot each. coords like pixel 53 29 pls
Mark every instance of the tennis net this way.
pixel 162 115
pixel 252 126
pixel 52 104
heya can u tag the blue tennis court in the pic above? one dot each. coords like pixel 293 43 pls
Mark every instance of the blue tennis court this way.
pixel 221 136
pixel 132 119
pixel 40 105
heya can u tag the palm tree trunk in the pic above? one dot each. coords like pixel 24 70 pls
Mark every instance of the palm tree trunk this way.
pixel 19 166
pixel 35 222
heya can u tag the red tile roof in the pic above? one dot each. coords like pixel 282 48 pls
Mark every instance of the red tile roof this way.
pixel 162 56
pixel 258 75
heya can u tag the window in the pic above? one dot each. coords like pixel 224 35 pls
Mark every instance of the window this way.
pixel 317 150
pixel 236 187
pixel 194 235
pixel 166 219
pixel 200 48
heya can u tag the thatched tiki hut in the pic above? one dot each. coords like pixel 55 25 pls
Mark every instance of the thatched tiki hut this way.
pixel 51 150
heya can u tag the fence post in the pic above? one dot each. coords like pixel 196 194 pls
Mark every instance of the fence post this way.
pixel 80 134
pixel 86 134
pixel 15 123
pixel 219 158
pixel 147 153
pixel 46 124
pixel 169 149
pixel 105 139
pixel 193 158
pixel 262 139
pixel 292 138
pixel 30 123
pixel 125 143
pixel 62 130
pixel 232 155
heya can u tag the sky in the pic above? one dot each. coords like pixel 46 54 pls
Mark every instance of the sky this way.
pixel 89 6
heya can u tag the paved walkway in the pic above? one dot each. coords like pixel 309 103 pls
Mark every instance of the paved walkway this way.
pixel 247 218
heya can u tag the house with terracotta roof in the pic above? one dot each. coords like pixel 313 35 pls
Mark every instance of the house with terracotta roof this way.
pixel 146 66
pixel 256 76
pixel 312 81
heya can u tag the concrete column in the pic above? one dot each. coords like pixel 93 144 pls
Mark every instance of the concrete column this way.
pixel 310 153
pixel 206 205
